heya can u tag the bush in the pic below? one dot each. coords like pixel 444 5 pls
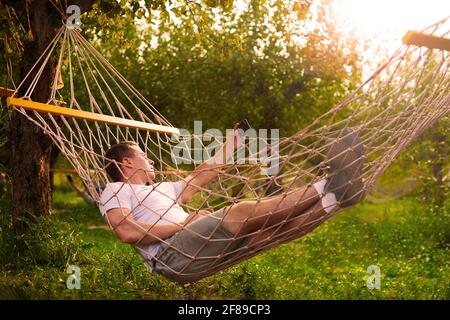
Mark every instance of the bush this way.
pixel 430 153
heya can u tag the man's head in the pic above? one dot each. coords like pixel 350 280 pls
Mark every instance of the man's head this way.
pixel 131 163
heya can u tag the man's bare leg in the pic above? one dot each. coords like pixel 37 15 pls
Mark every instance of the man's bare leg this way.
pixel 294 228
pixel 283 232
pixel 250 216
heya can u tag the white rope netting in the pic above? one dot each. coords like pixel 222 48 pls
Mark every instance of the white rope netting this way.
pixel 404 97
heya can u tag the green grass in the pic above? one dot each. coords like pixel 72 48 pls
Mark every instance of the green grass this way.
pixel 409 244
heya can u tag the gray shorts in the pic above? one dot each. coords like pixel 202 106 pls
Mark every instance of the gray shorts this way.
pixel 192 253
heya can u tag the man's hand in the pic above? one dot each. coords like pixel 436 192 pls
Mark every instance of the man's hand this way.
pixel 207 171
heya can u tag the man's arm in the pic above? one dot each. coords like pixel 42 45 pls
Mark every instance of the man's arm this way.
pixel 131 231
pixel 208 170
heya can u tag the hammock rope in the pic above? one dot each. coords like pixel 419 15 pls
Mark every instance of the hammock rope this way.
pixel 404 97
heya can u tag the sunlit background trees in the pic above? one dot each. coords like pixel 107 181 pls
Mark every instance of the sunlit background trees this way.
pixel 277 63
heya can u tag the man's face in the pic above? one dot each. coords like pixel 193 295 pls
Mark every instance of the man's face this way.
pixel 140 166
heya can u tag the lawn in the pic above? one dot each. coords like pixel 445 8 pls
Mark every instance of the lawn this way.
pixel 408 244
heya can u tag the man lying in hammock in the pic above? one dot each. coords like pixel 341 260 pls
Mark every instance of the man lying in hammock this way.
pixel 182 246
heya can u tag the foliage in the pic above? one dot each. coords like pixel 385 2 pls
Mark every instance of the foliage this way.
pixel 430 154
pixel 271 63
pixel 209 62
pixel 262 64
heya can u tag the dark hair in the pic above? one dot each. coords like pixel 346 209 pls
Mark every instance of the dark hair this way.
pixel 114 156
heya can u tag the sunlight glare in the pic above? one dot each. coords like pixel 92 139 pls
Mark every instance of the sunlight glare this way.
pixel 389 20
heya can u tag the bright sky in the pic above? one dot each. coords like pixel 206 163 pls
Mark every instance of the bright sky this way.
pixel 381 24
pixel 386 21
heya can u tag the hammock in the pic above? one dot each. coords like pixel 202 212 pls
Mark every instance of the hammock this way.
pixel 98 108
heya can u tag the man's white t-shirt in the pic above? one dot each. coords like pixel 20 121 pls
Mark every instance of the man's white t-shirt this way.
pixel 153 204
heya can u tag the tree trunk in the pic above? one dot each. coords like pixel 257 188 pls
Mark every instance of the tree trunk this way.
pixel 30 147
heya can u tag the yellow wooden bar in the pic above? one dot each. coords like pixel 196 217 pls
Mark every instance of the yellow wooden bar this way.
pixel 5 92
pixel 426 40
pixel 90 116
